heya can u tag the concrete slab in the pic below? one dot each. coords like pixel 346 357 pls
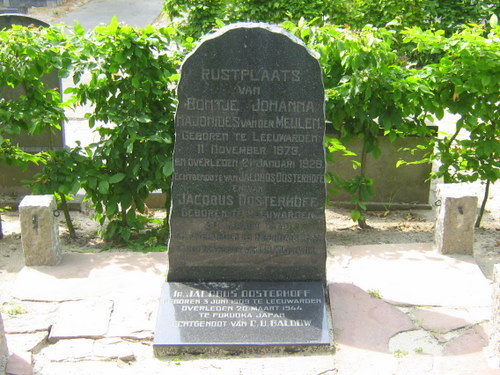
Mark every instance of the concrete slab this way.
pixel 362 321
pixel 364 325
pixel 411 274
pixel 20 363
pixel 69 350
pixel 414 342
pixel 84 276
pixel 34 317
pixel 292 365
pixel 79 319
pixel 415 364
pixel 133 323
pixel 468 364
pixel 442 320
pixel 87 349
pixel 26 342
pixel 471 340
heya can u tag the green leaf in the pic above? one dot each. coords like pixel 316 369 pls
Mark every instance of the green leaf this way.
pixel 493 21
pixel 78 28
pixel 103 187
pixel 168 168
pixel 117 178
pixel 355 215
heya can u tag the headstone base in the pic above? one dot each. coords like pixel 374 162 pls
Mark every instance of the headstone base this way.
pixel 242 317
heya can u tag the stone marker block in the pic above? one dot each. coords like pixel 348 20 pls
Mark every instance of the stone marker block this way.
pixel 494 346
pixel 4 351
pixel 454 229
pixel 39 230
pixel 259 315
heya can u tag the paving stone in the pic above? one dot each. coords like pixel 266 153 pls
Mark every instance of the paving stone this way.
pixel 27 342
pixel 415 364
pixel 353 361
pixel 414 342
pixel 363 321
pixel 135 323
pixel 110 348
pixel 468 341
pixel 83 276
pixel 80 319
pixel 20 363
pixel 310 365
pixel 440 319
pixel 413 274
pixel 479 314
pixel 80 368
pixel 69 350
pixel 88 350
pixel 35 317
pixel 467 364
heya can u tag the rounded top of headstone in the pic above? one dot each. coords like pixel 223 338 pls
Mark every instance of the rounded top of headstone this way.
pixel 256 46
pixel 253 25
pixel 9 19
pixel 260 25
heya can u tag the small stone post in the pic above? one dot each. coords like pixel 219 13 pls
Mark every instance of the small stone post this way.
pixel 494 346
pixel 454 229
pixel 4 351
pixel 39 230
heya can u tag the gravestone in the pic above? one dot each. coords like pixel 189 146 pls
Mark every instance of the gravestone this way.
pixel 40 230
pixel 247 250
pixel 11 177
pixel 454 228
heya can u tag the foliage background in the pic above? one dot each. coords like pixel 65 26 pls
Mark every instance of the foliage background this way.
pixel 380 75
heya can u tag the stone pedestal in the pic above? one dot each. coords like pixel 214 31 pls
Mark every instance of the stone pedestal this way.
pixel 39 230
pixel 494 346
pixel 454 230
pixel 4 351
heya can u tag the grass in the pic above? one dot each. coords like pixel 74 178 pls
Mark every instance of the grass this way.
pixel 374 293
pixel 400 353
pixel 14 310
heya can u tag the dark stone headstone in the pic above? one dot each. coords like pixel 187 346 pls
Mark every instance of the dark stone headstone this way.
pixel 248 192
pixel 46 140
pixel 7 20
pixel 11 176
pixel 246 314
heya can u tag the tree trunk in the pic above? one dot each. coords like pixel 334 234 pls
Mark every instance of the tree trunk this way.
pixel 69 223
pixel 483 204
pixel 362 220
